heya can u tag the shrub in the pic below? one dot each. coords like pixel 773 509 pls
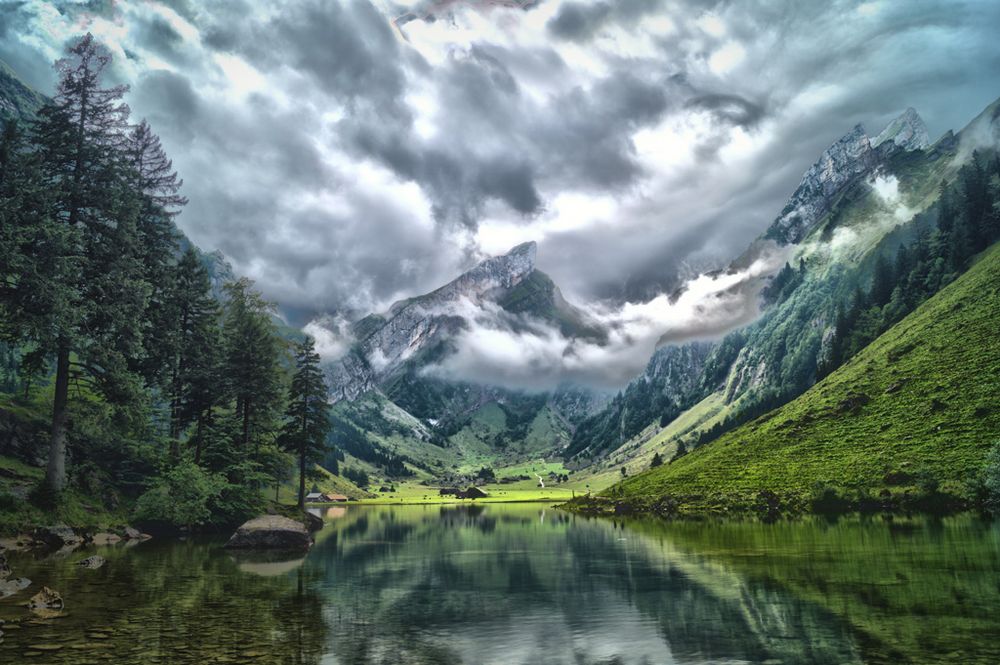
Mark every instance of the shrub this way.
pixel 182 496
pixel 991 479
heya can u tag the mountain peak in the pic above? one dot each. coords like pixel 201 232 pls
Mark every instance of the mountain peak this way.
pixel 907 131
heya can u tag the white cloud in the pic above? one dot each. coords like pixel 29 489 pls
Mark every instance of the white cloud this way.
pixel 527 354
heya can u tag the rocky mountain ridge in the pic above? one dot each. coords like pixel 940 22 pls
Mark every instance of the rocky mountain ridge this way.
pixel 420 330
pixel 852 156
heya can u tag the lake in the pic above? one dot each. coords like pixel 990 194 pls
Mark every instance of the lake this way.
pixel 528 584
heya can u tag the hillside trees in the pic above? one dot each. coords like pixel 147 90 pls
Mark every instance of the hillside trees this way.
pixel 968 221
pixel 99 306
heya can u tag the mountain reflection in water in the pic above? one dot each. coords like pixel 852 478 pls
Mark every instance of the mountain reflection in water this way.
pixel 512 584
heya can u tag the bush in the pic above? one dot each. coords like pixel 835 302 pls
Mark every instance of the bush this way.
pixel 827 500
pixel 991 479
pixel 182 496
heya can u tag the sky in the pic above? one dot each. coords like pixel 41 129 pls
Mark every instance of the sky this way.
pixel 349 154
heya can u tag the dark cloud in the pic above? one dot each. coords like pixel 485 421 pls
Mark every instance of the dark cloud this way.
pixel 729 108
pixel 579 21
pixel 349 167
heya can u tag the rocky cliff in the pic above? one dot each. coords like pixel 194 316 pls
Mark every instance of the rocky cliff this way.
pixel 852 156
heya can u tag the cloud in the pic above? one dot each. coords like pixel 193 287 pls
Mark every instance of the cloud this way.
pixel 497 348
pixel 332 336
pixel 345 159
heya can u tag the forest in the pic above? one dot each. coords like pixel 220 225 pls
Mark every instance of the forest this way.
pixel 165 389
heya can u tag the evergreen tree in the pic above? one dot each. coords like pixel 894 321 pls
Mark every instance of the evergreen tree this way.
pixel 156 183
pixel 882 283
pixel 657 461
pixel 92 283
pixel 194 367
pixel 251 362
pixel 306 420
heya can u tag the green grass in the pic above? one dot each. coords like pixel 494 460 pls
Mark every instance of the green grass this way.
pixel 924 398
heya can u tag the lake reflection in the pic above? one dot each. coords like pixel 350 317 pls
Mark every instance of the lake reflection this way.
pixel 511 584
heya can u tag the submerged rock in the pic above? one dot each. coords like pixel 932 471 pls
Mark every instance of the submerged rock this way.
pixel 46 601
pixel 271 532
pixel 10 587
pixel 92 562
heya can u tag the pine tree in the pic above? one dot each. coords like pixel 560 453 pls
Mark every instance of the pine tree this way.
pixel 307 421
pixel 882 282
pixel 92 282
pixel 251 361
pixel 194 367
pixel 152 177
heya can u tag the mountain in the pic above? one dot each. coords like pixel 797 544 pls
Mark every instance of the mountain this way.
pixel 854 207
pixel 18 101
pixel 915 411
pixel 388 402
pixel 419 331
pixel 852 156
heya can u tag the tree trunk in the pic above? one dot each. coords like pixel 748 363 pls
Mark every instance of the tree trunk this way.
pixel 197 436
pixel 302 478
pixel 246 423
pixel 55 472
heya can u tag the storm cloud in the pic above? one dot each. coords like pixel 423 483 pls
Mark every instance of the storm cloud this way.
pixel 349 154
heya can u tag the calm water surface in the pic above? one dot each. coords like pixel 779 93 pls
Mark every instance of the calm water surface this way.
pixel 526 584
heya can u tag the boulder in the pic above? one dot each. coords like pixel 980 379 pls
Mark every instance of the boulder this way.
pixel 271 532
pixel 57 536
pixel 131 533
pixel 13 585
pixel 92 562
pixel 311 522
pixel 105 538
pixel 46 600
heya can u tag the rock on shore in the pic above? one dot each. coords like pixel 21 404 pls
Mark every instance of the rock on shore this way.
pixel 271 532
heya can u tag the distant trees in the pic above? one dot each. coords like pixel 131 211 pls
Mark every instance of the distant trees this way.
pixel 656 461
pixel 306 419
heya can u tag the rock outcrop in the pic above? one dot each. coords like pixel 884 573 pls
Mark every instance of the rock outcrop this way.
pixel 852 156
pixel 271 532
pixel 57 536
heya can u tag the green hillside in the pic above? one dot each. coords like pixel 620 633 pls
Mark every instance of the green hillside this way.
pixel 913 414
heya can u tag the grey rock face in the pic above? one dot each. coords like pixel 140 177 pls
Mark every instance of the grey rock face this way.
pixel 908 131
pixel 271 532
pixel 417 324
pixel 853 156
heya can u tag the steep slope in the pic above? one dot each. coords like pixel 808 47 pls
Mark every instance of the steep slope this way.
pixel 18 101
pixel 863 198
pixel 920 405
